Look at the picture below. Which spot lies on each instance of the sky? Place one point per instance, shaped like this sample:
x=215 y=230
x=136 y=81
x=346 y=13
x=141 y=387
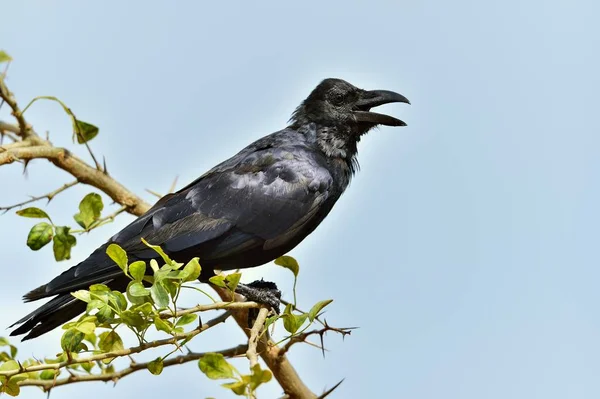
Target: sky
x=466 y=248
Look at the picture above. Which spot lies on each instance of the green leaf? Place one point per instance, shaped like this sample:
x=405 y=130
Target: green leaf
x=39 y=235
x=33 y=212
x=289 y=263
x=9 y=365
x=87 y=327
x=110 y=341
x=71 y=339
x=159 y=251
x=186 y=319
x=82 y=295
x=4 y=57
x=162 y=325
x=118 y=255
x=259 y=376
x=215 y=366
x=90 y=209
x=132 y=319
x=118 y=300
x=63 y=242
x=48 y=374
x=154 y=265
x=238 y=387
x=314 y=311
x=11 y=388
x=191 y=271
x=160 y=296
x=219 y=281
x=105 y=314
x=292 y=322
x=136 y=288
x=137 y=270
x=84 y=131
x=99 y=288
x=156 y=366
x=233 y=280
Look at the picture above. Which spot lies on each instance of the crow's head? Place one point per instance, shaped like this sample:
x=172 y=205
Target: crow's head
x=337 y=103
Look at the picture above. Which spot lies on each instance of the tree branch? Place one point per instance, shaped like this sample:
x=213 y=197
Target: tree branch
x=49 y=196
x=115 y=376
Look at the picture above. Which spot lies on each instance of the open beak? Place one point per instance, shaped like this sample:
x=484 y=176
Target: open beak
x=375 y=98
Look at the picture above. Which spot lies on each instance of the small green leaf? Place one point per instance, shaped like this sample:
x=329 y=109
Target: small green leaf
x=110 y=341
x=162 y=325
x=160 y=296
x=9 y=365
x=39 y=235
x=136 y=288
x=259 y=376
x=90 y=209
x=219 y=281
x=63 y=242
x=156 y=366
x=86 y=327
x=48 y=374
x=186 y=319
x=82 y=295
x=137 y=270
x=4 y=57
x=118 y=300
x=105 y=314
x=132 y=319
x=11 y=388
x=118 y=255
x=238 y=387
x=215 y=366
x=71 y=339
x=191 y=271
x=314 y=311
x=292 y=322
x=99 y=288
x=33 y=212
x=84 y=131
x=233 y=280
x=289 y=263
x=159 y=251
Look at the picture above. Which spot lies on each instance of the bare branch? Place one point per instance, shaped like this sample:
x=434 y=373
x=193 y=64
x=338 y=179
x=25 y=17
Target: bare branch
x=254 y=335
x=321 y=332
x=48 y=196
x=24 y=128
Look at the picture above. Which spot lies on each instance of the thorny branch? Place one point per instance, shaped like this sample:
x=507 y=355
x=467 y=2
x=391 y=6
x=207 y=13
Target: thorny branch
x=48 y=196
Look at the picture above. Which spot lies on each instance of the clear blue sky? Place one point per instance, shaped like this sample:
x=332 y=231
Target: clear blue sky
x=466 y=249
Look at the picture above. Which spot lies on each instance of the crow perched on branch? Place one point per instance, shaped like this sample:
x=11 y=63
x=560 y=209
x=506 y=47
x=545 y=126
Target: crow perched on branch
x=244 y=212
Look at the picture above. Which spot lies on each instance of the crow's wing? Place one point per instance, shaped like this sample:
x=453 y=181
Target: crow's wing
x=258 y=198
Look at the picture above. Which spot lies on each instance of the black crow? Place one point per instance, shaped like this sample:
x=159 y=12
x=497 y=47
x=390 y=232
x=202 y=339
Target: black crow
x=244 y=212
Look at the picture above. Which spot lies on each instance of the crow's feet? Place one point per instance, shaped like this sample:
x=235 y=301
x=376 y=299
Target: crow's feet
x=261 y=291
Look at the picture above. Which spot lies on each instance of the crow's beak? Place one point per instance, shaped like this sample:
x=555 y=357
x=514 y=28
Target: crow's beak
x=375 y=98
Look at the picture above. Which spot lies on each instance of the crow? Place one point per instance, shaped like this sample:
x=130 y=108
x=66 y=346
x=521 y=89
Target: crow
x=244 y=212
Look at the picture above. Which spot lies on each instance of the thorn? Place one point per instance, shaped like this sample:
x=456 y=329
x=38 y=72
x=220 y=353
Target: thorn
x=104 y=165
x=326 y=393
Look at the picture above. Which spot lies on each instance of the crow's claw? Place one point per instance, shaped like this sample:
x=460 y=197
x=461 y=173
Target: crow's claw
x=261 y=291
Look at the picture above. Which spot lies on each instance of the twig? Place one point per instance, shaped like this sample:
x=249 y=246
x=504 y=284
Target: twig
x=212 y=306
x=321 y=332
x=24 y=128
x=251 y=354
x=48 y=196
x=115 y=376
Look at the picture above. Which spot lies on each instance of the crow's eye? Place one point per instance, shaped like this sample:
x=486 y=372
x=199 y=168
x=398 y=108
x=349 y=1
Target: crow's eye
x=338 y=98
